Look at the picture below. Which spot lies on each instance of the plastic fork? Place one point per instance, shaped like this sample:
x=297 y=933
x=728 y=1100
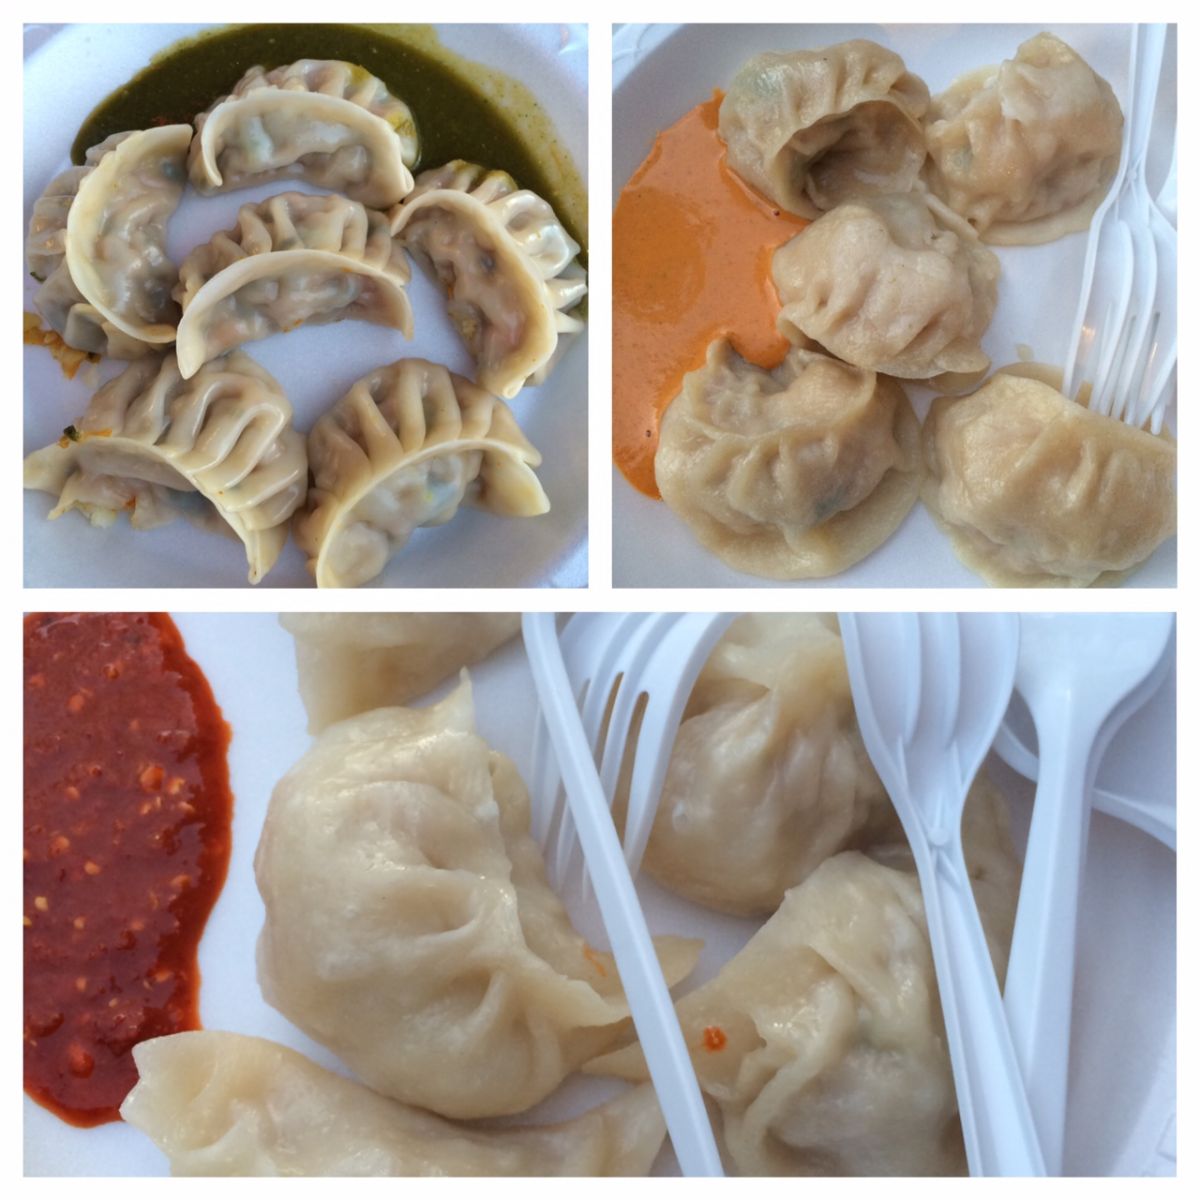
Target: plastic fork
x=1078 y=674
x=930 y=690
x=1125 y=332
x=569 y=757
x=1147 y=341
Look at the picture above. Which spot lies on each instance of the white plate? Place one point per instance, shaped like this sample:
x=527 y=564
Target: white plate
x=315 y=365
x=1122 y=1100
x=662 y=71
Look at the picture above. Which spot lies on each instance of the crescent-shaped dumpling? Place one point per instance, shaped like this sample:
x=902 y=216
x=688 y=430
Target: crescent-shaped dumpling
x=150 y=441
x=331 y=123
x=507 y=263
x=97 y=244
x=291 y=260
x=404 y=448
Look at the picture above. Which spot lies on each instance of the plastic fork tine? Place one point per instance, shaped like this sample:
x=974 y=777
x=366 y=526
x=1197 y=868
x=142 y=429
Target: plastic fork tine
x=545 y=782
x=647 y=633
x=664 y=711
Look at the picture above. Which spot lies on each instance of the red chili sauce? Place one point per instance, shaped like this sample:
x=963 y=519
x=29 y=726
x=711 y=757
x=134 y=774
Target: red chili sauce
x=127 y=835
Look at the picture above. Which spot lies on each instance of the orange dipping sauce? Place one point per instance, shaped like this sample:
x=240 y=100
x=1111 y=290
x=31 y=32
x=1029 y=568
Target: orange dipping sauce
x=692 y=249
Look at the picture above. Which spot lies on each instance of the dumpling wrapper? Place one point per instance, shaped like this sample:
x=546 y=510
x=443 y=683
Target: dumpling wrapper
x=821 y=1042
x=1026 y=150
x=349 y=663
x=768 y=775
x=895 y=284
x=509 y=267
x=226 y=1104
x=219 y=447
x=97 y=244
x=409 y=925
x=406 y=447
x=1036 y=490
x=813 y=128
x=795 y=473
x=292 y=259
x=328 y=122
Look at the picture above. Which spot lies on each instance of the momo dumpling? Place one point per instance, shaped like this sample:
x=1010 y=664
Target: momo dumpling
x=226 y=1104
x=289 y=261
x=508 y=265
x=821 y=1042
x=157 y=446
x=896 y=284
x=1026 y=150
x=794 y=473
x=768 y=775
x=349 y=663
x=97 y=244
x=812 y=128
x=331 y=123
x=404 y=448
x=1037 y=490
x=433 y=958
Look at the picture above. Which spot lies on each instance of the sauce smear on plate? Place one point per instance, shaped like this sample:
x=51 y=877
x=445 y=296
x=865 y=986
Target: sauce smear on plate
x=692 y=249
x=127 y=836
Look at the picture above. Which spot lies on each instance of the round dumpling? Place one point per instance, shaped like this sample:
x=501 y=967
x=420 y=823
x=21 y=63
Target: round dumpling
x=812 y=128
x=1026 y=150
x=1036 y=490
x=409 y=925
x=821 y=1042
x=794 y=473
x=768 y=775
x=896 y=284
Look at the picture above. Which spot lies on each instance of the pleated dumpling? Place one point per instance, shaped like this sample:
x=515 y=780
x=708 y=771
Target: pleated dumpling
x=508 y=266
x=821 y=1043
x=157 y=446
x=897 y=284
x=1037 y=490
x=97 y=244
x=226 y=1104
x=768 y=775
x=291 y=260
x=409 y=925
x=348 y=663
x=812 y=128
x=794 y=473
x=404 y=448
x=1026 y=150
x=331 y=123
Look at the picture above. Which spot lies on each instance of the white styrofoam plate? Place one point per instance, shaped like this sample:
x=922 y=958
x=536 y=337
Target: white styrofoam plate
x=315 y=365
x=1122 y=1099
x=662 y=71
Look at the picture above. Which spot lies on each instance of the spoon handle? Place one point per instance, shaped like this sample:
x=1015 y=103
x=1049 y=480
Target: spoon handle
x=997 y=1123
x=1041 y=966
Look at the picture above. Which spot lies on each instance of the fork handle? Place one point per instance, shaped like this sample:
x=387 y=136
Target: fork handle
x=997 y=1123
x=1041 y=968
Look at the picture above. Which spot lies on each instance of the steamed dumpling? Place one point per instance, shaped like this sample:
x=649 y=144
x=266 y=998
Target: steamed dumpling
x=351 y=662
x=406 y=447
x=768 y=775
x=225 y=1104
x=813 y=128
x=157 y=446
x=291 y=260
x=896 y=284
x=97 y=243
x=409 y=925
x=508 y=265
x=1036 y=490
x=794 y=473
x=1026 y=150
x=331 y=123
x=821 y=1042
